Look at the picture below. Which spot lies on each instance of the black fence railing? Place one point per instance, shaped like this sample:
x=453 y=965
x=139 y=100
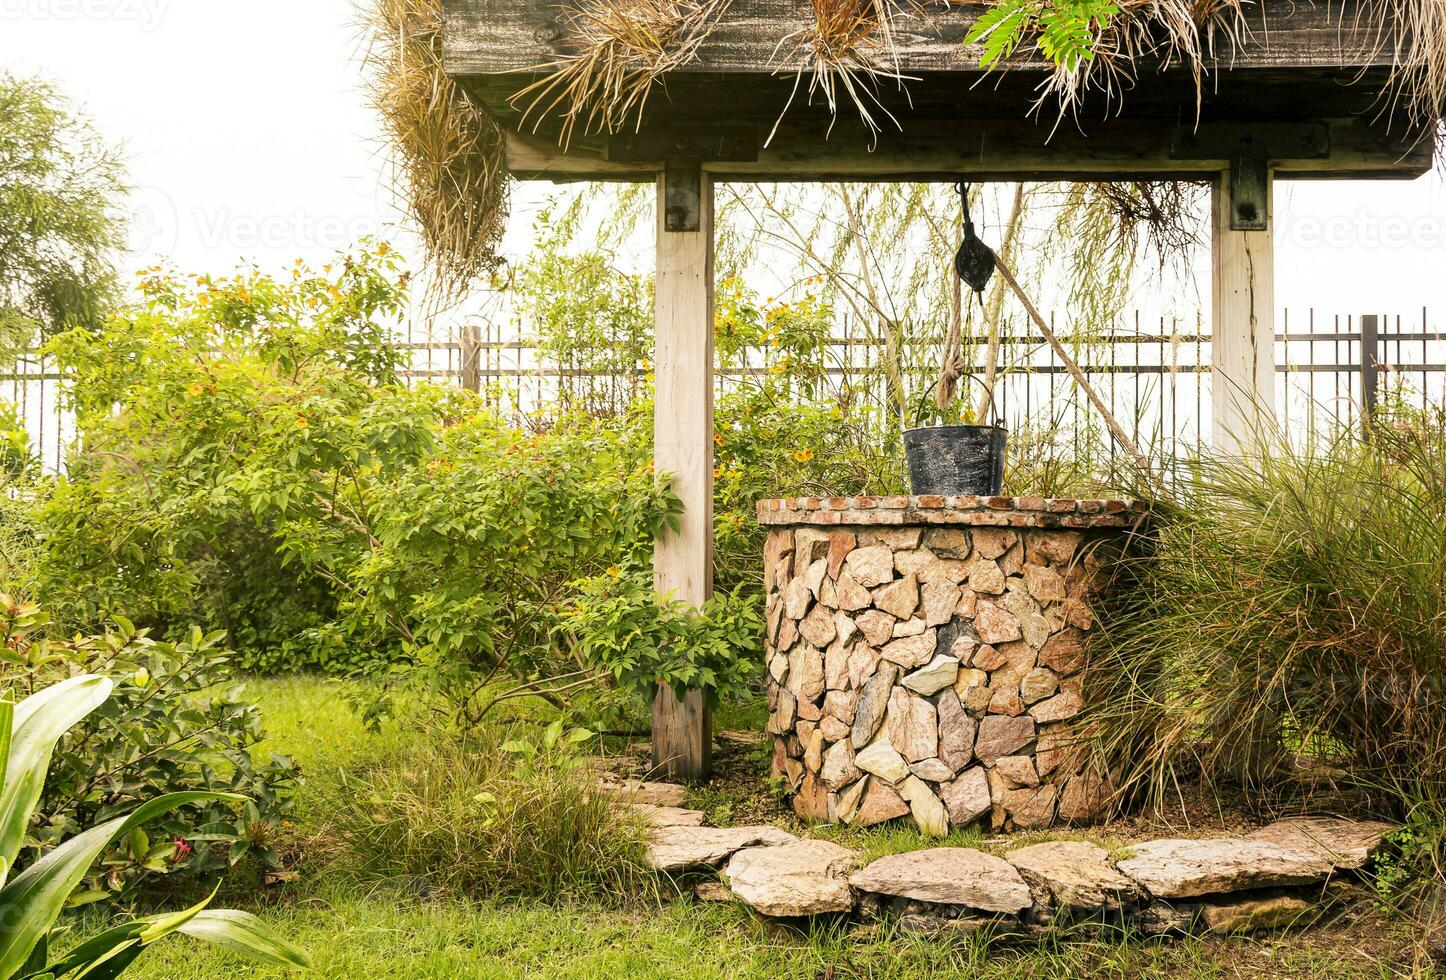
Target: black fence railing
x=1154 y=375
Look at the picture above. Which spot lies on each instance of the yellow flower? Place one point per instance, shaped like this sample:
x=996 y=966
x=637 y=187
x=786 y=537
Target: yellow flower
x=141 y=677
x=803 y=455
x=301 y=423
x=195 y=390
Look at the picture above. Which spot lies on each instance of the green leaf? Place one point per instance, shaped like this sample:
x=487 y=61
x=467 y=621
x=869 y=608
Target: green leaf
x=37 y=895
x=38 y=723
x=245 y=934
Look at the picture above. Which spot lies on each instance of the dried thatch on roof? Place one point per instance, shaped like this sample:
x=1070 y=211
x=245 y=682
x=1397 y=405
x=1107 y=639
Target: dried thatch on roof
x=450 y=154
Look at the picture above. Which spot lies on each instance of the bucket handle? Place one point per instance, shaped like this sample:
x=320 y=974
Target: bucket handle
x=996 y=421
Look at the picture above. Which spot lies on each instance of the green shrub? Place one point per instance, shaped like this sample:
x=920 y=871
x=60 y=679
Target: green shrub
x=470 y=816
x=644 y=641
x=1294 y=605
x=174 y=722
x=35 y=898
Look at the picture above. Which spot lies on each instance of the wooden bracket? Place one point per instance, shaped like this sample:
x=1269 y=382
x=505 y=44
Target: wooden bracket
x=683 y=195
x=1251 y=149
x=683 y=150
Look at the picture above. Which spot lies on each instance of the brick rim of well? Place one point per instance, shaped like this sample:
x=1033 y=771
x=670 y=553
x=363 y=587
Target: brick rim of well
x=1019 y=512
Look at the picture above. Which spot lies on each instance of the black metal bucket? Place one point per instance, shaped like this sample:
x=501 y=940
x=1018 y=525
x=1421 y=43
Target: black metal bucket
x=957 y=460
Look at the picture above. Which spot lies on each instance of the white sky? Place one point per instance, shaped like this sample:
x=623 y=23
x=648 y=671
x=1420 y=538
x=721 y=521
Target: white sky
x=249 y=140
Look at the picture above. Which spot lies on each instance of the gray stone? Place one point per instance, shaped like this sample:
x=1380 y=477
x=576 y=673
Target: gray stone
x=852 y=596
x=995 y=624
x=877 y=627
x=813 y=752
x=933 y=770
x=841 y=705
x=928 y=810
x=900 y=598
x=912 y=651
x=957 y=731
x=967 y=797
x=947 y=876
x=1059 y=708
x=1346 y=844
x=991 y=542
x=933 y=677
x=1063 y=653
x=1057 y=547
x=1031 y=808
x=1018 y=770
x=1255 y=914
x=1038 y=684
x=839 y=768
x=985 y=578
x=668 y=816
x=1077 y=876
x=913 y=726
x=880 y=803
x=871 y=566
x=815 y=575
x=911 y=627
x=1171 y=869
x=873 y=705
x=941 y=601
x=807 y=877
x=796 y=599
x=805 y=673
x=862 y=663
x=948 y=542
x=882 y=760
x=1000 y=735
x=848 y=801
x=645 y=792
x=818 y=627
x=834 y=730
x=687 y=848
x=1044 y=584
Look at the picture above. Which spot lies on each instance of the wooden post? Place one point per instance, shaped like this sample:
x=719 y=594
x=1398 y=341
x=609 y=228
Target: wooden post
x=1242 y=353
x=472 y=357
x=683 y=445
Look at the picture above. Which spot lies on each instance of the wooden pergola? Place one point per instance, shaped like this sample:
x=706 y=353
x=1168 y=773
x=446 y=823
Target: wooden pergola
x=1300 y=99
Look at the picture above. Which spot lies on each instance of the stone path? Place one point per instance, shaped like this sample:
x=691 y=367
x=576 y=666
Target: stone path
x=1270 y=878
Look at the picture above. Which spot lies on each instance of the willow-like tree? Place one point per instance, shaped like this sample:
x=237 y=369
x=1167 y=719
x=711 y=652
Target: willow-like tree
x=61 y=222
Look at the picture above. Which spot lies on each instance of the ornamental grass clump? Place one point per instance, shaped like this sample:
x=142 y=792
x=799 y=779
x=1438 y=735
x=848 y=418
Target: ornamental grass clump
x=1290 y=621
x=489 y=816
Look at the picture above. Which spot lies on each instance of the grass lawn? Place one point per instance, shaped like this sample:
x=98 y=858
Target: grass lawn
x=379 y=930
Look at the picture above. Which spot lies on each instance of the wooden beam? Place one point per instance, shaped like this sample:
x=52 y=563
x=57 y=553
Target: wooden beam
x=683 y=447
x=988 y=150
x=765 y=37
x=1242 y=349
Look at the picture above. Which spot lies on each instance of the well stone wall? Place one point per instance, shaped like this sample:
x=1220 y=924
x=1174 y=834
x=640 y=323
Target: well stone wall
x=926 y=655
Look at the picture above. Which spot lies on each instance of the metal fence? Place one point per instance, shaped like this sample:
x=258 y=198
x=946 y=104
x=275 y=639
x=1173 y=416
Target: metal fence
x=1154 y=374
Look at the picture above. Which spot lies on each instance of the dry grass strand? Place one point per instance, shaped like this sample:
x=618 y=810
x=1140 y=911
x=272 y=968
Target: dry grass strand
x=617 y=50
x=450 y=154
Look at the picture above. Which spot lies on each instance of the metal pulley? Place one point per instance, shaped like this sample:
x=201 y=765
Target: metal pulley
x=975 y=261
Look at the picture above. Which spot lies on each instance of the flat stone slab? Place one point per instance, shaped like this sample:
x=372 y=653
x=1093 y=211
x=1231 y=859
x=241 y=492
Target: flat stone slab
x=1347 y=844
x=642 y=791
x=1191 y=868
x=807 y=877
x=947 y=876
x=1077 y=875
x=687 y=848
x=668 y=816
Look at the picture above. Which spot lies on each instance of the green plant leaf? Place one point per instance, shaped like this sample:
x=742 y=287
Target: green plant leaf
x=38 y=893
x=245 y=934
x=39 y=722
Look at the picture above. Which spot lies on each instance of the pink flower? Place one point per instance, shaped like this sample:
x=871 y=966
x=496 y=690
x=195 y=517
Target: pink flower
x=183 y=850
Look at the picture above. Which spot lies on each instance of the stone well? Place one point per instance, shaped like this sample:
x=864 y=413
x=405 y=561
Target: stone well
x=926 y=655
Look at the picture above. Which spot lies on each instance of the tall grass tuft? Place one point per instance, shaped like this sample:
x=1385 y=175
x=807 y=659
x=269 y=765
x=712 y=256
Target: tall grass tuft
x=1290 y=620
x=468 y=818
